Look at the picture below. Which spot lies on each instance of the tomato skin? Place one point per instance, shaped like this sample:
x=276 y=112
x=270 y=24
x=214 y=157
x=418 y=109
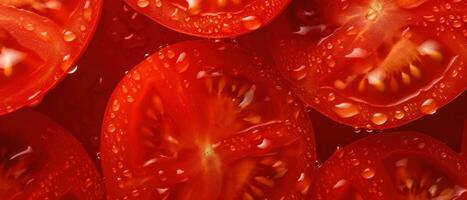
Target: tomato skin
x=308 y=62
x=34 y=32
x=361 y=165
x=254 y=15
x=63 y=168
x=190 y=108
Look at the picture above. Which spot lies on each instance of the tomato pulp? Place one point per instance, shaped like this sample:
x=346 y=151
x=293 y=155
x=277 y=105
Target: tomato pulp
x=39 y=43
x=42 y=160
x=195 y=118
x=376 y=64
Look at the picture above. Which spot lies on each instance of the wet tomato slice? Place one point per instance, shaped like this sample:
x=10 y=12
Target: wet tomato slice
x=378 y=64
x=121 y=41
x=39 y=42
x=205 y=120
x=42 y=160
x=393 y=166
x=211 y=18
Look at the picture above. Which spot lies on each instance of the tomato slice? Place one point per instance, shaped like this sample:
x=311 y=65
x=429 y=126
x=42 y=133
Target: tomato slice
x=399 y=165
x=211 y=18
x=205 y=120
x=122 y=40
x=384 y=64
x=39 y=42
x=42 y=160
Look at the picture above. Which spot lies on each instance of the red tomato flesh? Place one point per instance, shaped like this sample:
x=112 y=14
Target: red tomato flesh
x=377 y=64
x=393 y=166
x=41 y=160
x=205 y=120
x=39 y=42
x=211 y=18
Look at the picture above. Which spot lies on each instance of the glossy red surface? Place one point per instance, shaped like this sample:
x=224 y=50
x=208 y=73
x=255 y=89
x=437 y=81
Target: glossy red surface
x=124 y=38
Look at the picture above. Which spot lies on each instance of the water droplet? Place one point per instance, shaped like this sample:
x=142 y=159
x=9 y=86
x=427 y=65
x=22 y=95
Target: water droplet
x=251 y=22
x=399 y=114
x=45 y=36
x=162 y=190
x=429 y=107
x=158 y=3
x=331 y=96
x=135 y=193
x=454 y=73
x=444 y=155
x=354 y=162
x=73 y=69
x=339 y=184
x=29 y=27
x=116 y=106
x=182 y=64
x=142 y=3
x=456 y=24
x=180 y=171
x=265 y=143
x=299 y=73
x=379 y=118
x=69 y=36
x=136 y=76
x=111 y=128
x=35 y=95
x=129 y=98
x=346 y=110
x=114 y=149
x=357 y=130
x=170 y=54
x=368 y=173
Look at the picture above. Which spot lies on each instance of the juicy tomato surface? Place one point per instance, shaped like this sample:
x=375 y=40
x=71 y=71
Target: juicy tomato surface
x=40 y=160
x=122 y=39
x=39 y=42
x=399 y=165
x=446 y=126
x=211 y=120
x=375 y=64
x=211 y=18
x=205 y=120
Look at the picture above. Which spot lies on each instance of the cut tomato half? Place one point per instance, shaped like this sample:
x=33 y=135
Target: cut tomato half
x=42 y=160
x=39 y=43
x=205 y=120
x=393 y=166
x=209 y=18
x=378 y=64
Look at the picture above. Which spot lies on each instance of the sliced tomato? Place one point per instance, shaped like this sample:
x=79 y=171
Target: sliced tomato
x=205 y=120
x=39 y=42
x=40 y=160
x=122 y=39
x=393 y=166
x=378 y=64
x=211 y=18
